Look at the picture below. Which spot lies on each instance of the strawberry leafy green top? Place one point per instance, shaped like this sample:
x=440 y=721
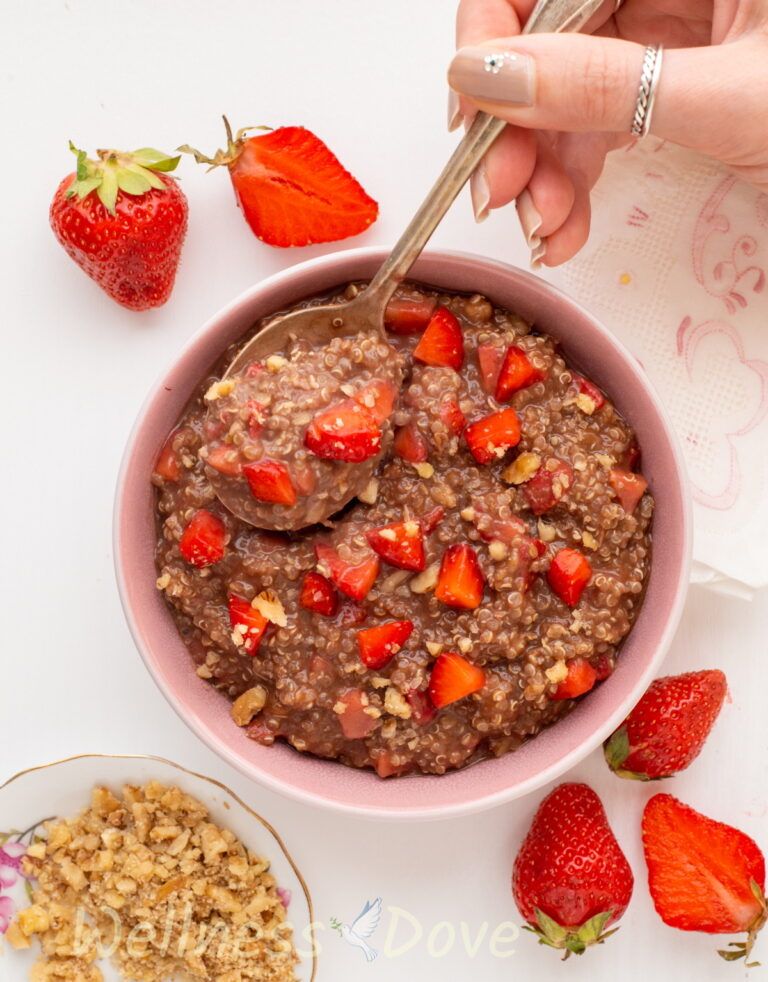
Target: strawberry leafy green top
x=132 y=173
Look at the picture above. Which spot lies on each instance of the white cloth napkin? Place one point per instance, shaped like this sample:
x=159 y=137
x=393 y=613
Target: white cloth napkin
x=677 y=266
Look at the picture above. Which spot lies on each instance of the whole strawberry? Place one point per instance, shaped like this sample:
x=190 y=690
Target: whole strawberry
x=292 y=190
x=666 y=730
x=123 y=222
x=703 y=875
x=571 y=879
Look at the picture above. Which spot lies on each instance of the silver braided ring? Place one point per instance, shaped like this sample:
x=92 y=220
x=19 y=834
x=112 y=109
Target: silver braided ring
x=646 y=93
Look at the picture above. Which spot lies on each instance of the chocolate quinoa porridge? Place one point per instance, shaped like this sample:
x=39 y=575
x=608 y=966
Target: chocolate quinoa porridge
x=484 y=579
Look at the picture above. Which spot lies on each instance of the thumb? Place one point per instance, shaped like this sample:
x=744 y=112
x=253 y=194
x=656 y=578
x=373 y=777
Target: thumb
x=582 y=83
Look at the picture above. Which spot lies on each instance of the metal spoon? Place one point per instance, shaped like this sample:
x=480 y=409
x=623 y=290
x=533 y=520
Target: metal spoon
x=365 y=313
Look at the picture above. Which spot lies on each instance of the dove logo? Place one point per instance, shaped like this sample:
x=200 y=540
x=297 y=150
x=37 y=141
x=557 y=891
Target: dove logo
x=363 y=926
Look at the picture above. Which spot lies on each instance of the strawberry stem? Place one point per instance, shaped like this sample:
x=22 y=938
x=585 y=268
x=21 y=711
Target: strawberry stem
x=113 y=171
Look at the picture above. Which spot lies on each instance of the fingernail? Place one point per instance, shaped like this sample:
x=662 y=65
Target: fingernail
x=493 y=76
x=538 y=253
x=454 y=111
x=480 y=192
x=530 y=219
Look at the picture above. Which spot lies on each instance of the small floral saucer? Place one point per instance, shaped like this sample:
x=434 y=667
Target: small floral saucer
x=62 y=789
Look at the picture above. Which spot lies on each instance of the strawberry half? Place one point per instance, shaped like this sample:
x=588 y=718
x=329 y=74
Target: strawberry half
x=292 y=190
x=442 y=343
x=247 y=622
x=352 y=579
x=202 y=541
x=547 y=487
x=489 y=438
x=410 y=444
x=517 y=372
x=409 y=315
x=123 y=221
x=270 y=480
x=703 y=875
x=570 y=879
x=379 y=645
x=666 y=730
x=318 y=595
x=460 y=582
x=629 y=488
x=400 y=544
x=580 y=679
x=568 y=574
x=346 y=432
x=453 y=678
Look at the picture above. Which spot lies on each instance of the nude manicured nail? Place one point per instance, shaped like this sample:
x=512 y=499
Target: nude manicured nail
x=530 y=219
x=493 y=76
x=454 y=111
x=480 y=192
x=538 y=253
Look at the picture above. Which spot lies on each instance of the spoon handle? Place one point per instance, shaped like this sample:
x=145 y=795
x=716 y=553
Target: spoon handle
x=548 y=16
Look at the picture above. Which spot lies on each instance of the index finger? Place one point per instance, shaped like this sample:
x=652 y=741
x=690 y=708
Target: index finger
x=481 y=20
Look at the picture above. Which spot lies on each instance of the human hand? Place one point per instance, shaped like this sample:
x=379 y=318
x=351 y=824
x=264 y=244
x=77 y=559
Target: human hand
x=571 y=98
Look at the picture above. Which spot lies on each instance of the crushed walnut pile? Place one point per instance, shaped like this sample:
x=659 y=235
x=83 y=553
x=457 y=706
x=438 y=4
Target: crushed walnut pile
x=148 y=880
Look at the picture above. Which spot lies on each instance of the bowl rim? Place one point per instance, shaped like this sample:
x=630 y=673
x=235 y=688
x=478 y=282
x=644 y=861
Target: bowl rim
x=491 y=799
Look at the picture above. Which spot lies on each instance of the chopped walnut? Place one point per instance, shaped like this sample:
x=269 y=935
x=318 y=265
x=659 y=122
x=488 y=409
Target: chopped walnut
x=558 y=672
x=585 y=403
x=370 y=492
x=275 y=362
x=426 y=581
x=395 y=704
x=424 y=469
x=246 y=706
x=269 y=606
x=219 y=390
x=547 y=533
x=522 y=468
x=589 y=540
x=434 y=648
x=498 y=550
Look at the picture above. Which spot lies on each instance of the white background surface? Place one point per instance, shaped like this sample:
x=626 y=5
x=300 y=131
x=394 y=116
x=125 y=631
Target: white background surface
x=368 y=78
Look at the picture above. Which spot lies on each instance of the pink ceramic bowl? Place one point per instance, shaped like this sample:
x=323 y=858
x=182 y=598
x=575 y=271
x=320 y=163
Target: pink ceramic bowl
x=327 y=783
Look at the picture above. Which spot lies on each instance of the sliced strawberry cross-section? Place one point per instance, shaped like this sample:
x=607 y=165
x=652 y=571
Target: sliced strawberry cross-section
x=460 y=582
x=517 y=372
x=629 y=488
x=489 y=438
x=270 y=480
x=379 y=645
x=318 y=594
x=409 y=315
x=568 y=575
x=453 y=678
x=355 y=723
x=489 y=359
x=410 y=444
x=580 y=679
x=225 y=458
x=442 y=343
x=346 y=432
x=377 y=398
x=352 y=579
x=548 y=486
x=400 y=544
x=202 y=541
x=247 y=623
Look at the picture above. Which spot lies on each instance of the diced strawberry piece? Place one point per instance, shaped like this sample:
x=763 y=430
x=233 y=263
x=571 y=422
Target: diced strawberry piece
x=400 y=544
x=356 y=724
x=270 y=480
x=379 y=645
x=581 y=678
x=460 y=582
x=352 y=614
x=453 y=417
x=547 y=487
x=630 y=459
x=409 y=315
x=304 y=479
x=629 y=488
x=489 y=438
x=590 y=390
x=498 y=529
x=247 y=622
x=489 y=359
x=603 y=666
x=422 y=710
x=255 y=368
x=453 y=678
x=255 y=410
x=385 y=766
x=321 y=668
x=225 y=459
x=167 y=464
x=432 y=519
x=568 y=575
x=318 y=595
x=346 y=432
x=202 y=542
x=442 y=343
x=377 y=398
x=517 y=372
x=353 y=579
x=410 y=444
